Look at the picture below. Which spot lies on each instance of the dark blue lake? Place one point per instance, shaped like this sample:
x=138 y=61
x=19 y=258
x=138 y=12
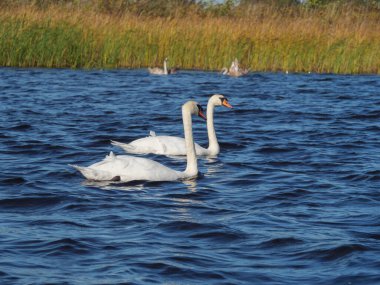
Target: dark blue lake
x=293 y=197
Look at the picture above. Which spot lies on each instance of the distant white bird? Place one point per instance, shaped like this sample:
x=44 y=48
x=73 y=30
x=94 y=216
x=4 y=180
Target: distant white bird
x=159 y=71
x=127 y=168
x=234 y=70
x=170 y=145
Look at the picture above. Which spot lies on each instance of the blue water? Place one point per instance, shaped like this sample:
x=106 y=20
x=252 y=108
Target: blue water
x=293 y=197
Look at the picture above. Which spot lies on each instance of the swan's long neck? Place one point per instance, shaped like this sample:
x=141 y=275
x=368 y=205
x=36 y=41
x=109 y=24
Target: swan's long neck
x=213 y=145
x=165 y=67
x=192 y=167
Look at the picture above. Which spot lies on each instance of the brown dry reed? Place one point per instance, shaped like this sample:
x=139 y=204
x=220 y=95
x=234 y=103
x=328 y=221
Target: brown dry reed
x=332 y=39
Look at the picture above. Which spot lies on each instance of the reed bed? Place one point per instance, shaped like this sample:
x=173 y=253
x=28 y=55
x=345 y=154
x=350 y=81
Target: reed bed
x=262 y=38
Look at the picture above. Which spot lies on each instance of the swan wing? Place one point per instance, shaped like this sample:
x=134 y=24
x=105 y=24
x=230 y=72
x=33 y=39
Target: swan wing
x=177 y=146
x=162 y=145
x=139 y=168
x=127 y=168
x=142 y=146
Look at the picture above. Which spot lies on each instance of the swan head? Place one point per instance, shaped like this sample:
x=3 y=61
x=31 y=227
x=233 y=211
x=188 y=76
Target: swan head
x=194 y=108
x=224 y=70
x=220 y=100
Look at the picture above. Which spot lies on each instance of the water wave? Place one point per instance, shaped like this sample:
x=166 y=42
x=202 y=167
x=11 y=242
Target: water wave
x=292 y=198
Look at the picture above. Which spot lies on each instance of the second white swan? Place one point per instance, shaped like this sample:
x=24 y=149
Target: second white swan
x=234 y=70
x=170 y=145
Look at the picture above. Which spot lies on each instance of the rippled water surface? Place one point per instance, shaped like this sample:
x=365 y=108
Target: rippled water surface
x=293 y=197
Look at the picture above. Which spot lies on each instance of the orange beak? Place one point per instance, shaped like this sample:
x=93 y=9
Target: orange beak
x=226 y=104
x=200 y=114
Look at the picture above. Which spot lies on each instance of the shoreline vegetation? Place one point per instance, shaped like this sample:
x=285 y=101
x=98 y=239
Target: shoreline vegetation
x=264 y=35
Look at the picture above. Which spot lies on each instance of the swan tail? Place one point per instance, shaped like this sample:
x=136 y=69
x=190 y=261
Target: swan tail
x=95 y=175
x=86 y=172
x=124 y=146
x=152 y=134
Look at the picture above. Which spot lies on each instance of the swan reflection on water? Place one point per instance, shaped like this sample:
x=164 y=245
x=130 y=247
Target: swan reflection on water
x=112 y=185
x=190 y=184
x=213 y=165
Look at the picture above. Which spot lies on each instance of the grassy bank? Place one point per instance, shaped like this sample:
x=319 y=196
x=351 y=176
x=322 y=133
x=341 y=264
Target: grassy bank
x=263 y=38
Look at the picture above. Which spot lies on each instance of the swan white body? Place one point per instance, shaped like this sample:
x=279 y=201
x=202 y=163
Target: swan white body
x=128 y=168
x=159 y=71
x=170 y=145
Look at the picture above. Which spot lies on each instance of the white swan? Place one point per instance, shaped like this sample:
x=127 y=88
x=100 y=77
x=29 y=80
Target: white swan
x=170 y=145
x=127 y=168
x=234 y=70
x=159 y=71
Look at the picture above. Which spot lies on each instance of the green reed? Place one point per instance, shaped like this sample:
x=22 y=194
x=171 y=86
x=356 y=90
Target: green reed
x=79 y=38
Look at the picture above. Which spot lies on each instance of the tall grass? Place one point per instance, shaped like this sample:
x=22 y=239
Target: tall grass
x=262 y=37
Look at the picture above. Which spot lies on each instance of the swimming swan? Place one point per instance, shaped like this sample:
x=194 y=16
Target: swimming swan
x=234 y=70
x=127 y=168
x=159 y=71
x=170 y=145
